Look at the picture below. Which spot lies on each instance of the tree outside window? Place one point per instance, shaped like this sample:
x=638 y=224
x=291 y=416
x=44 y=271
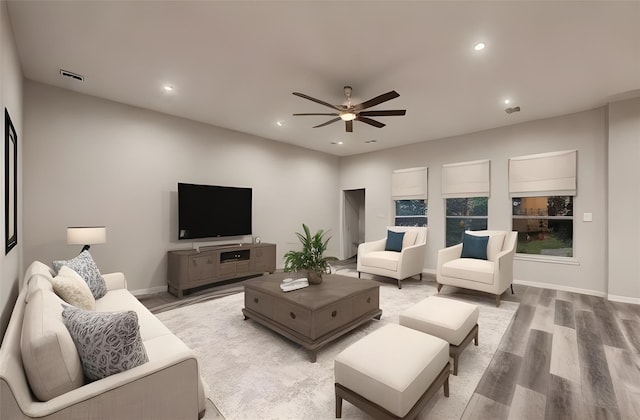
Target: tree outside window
x=411 y=212
x=462 y=214
x=544 y=225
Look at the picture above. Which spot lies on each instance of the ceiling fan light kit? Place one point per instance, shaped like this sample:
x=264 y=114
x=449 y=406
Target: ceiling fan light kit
x=349 y=113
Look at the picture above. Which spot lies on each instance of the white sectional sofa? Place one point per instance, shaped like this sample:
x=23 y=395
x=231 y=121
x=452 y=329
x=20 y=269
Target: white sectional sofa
x=168 y=386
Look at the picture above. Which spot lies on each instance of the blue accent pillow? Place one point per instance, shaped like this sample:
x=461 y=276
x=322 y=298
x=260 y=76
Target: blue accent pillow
x=394 y=241
x=474 y=247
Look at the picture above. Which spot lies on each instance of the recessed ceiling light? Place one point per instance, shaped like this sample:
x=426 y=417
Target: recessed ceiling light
x=337 y=142
x=370 y=141
x=507 y=101
x=279 y=123
x=479 y=46
x=167 y=88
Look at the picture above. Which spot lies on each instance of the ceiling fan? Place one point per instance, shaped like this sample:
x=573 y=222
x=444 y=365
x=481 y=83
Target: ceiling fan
x=348 y=113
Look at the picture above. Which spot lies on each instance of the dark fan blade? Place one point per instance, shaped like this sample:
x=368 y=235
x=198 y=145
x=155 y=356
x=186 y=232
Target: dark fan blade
x=370 y=121
x=377 y=100
x=384 y=113
x=335 y=114
x=348 y=125
x=318 y=101
x=327 y=123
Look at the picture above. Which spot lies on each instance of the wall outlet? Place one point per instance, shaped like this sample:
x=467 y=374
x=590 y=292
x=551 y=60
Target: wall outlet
x=587 y=217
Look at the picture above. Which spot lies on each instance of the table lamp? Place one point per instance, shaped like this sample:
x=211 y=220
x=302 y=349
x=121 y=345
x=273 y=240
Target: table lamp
x=86 y=236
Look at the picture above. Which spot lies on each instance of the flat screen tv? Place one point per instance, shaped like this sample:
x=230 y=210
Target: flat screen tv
x=212 y=211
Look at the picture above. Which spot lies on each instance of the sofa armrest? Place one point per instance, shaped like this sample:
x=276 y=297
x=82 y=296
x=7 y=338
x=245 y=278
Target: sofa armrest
x=412 y=260
x=504 y=268
x=448 y=254
x=115 y=281
x=183 y=364
x=366 y=247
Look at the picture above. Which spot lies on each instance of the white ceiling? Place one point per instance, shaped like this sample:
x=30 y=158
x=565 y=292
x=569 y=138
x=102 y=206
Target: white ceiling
x=234 y=64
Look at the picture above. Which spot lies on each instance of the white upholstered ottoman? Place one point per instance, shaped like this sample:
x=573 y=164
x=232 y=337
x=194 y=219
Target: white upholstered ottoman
x=392 y=372
x=452 y=320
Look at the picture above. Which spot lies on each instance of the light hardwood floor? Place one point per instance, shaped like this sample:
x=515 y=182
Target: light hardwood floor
x=564 y=356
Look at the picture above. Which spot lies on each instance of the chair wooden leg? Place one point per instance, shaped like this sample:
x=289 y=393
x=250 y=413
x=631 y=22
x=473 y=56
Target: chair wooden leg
x=512 y=289
x=420 y=276
x=358 y=274
x=439 y=287
x=497 y=301
x=399 y=284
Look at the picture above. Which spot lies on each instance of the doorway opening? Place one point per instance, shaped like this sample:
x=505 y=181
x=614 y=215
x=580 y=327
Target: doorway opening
x=353 y=227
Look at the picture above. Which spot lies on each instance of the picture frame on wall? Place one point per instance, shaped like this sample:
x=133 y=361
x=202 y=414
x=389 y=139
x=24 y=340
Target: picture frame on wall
x=10 y=183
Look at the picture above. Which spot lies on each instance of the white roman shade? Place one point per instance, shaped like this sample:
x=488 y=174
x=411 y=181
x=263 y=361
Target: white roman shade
x=409 y=183
x=543 y=174
x=466 y=179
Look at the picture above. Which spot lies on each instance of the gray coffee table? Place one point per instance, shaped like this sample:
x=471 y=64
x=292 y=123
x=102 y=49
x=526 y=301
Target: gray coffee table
x=315 y=315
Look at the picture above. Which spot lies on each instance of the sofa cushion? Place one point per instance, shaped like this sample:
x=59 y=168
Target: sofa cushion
x=387 y=260
x=394 y=241
x=49 y=355
x=84 y=265
x=471 y=269
x=73 y=289
x=107 y=342
x=474 y=246
x=409 y=238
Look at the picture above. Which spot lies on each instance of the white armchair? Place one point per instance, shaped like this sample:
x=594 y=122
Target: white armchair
x=373 y=259
x=493 y=275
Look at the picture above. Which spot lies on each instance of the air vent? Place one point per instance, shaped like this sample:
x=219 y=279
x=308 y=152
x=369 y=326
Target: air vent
x=71 y=75
x=511 y=110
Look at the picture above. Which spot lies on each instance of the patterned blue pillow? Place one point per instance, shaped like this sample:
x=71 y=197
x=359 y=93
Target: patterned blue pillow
x=107 y=342
x=394 y=241
x=84 y=265
x=474 y=246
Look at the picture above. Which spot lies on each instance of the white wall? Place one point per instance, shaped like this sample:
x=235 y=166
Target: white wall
x=624 y=200
x=11 y=99
x=585 y=131
x=95 y=162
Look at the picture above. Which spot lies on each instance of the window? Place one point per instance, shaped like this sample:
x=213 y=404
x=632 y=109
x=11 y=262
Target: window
x=544 y=225
x=463 y=214
x=411 y=212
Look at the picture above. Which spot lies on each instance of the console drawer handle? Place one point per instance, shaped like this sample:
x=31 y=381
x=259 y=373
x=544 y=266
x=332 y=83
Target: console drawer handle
x=369 y=299
x=256 y=300
x=333 y=314
x=292 y=315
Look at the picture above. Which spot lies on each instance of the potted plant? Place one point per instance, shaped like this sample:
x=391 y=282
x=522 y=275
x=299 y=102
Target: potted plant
x=311 y=259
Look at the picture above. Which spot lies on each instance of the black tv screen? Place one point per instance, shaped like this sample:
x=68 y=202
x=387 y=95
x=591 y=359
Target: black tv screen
x=211 y=211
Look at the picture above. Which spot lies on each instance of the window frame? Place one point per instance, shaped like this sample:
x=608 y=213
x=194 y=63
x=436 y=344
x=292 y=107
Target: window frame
x=447 y=217
x=395 y=211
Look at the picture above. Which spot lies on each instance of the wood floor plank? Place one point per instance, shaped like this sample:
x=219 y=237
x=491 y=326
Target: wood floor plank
x=547 y=298
x=531 y=296
x=597 y=387
x=516 y=340
x=564 y=314
x=534 y=371
x=608 y=326
x=564 y=349
x=564 y=400
x=544 y=318
x=481 y=407
x=499 y=381
x=625 y=375
x=526 y=404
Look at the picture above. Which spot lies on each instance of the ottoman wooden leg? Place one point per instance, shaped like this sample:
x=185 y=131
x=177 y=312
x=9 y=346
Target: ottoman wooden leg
x=446 y=387
x=338 y=404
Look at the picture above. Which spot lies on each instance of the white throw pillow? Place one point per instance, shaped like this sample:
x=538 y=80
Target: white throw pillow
x=409 y=238
x=84 y=265
x=73 y=289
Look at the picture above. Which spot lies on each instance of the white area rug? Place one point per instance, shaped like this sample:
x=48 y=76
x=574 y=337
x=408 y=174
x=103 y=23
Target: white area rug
x=254 y=373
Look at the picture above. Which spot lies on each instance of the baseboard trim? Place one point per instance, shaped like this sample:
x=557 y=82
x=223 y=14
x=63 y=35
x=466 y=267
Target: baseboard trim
x=624 y=299
x=560 y=287
x=150 y=291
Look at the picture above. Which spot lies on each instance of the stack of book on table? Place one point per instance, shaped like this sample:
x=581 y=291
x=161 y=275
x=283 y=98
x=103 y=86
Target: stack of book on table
x=290 y=284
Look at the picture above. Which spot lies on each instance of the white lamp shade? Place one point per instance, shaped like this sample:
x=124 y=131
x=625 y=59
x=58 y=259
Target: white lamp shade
x=86 y=235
